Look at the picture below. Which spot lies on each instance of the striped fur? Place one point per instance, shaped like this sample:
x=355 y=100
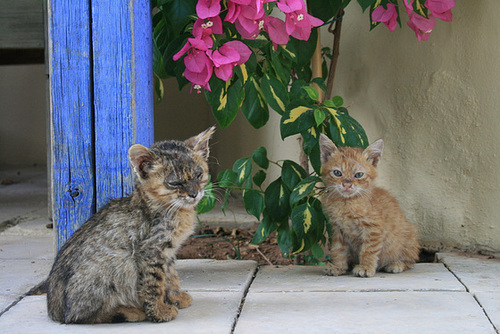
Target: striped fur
x=370 y=232
x=119 y=265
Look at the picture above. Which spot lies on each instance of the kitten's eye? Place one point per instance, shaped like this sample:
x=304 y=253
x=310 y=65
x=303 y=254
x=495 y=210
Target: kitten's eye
x=359 y=175
x=174 y=184
x=337 y=173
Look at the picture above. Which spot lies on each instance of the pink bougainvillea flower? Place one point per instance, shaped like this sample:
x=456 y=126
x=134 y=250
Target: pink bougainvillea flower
x=388 y=16
x=421 y=26
x=276 y=30
x=298 y=21
x=247 y=16
x=409 y=6
x=208 y=8
x=204 y=28
x=227 y=56
x=441 y=9
x=199 y=66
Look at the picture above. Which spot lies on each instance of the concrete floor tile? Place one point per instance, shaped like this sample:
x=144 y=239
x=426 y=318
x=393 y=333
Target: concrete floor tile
x=20 y=276
x=424 y=277
x=213 y=275
x=20 y=247
x=477 y=273
x=362 y=312
x=211 y=312
x=7 y=300
x=490 y=301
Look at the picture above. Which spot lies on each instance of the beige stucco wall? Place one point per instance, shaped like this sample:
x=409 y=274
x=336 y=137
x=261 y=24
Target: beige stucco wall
x=436 y=105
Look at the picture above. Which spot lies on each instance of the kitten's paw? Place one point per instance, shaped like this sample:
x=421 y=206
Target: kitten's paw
x=396 y=267
x=162 y=313
x=363 y=271
x=334 y=270
x=180 y=299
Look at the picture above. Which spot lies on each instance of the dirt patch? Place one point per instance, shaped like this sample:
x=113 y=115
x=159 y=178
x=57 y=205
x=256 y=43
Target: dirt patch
x=223 y=244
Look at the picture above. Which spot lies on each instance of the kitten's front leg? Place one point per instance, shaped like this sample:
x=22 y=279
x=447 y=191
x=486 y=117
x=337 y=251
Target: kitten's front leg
x=339 y=250
x=175 y=295
x=153 y=293
x=368 y=256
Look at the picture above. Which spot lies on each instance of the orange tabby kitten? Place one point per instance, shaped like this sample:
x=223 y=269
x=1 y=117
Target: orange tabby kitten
x=369 y=228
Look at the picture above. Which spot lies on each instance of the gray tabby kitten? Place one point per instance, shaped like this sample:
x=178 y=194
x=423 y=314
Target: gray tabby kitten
x=119 y=265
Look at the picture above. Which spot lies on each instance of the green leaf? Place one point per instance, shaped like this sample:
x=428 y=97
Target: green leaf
x=259 y=178
x=243 y=168
x=254 y=202
x=275 y=93
x=311 y=146
x=227 y=193
x=281 y=66
x=171 y=67
x=324 y=9
x=254 y=106
x=308 y=223
x=311 y=92
x=266 y=227
x=320 y=82
x=303 y=50
x=296 y=120
x=259 y=156
x=158 y=84
x=337 y=101
x=178 y=12
x=277 y=200
x=345 y=130
x=207 y=203
x=303 y=189
x=225 y=99
x=319 y=116
x=292 y=173
x=227 y=178
x=365 y=3
x=317 y=251
x=420 y=9
x=284 y=239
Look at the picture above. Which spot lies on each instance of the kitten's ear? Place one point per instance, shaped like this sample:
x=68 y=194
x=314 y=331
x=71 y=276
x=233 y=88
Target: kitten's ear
x=141 y=159
x=327 y=148
x=374 y=151
x=200 y=141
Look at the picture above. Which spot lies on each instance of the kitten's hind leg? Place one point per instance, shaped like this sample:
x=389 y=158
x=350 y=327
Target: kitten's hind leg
x=126 y=314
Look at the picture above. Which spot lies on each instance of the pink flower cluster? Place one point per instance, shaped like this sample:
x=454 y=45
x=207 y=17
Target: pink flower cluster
x=249 y=18
x=440 y=9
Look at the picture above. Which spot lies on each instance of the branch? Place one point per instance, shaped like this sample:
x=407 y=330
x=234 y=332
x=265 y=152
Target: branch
x=335 y=51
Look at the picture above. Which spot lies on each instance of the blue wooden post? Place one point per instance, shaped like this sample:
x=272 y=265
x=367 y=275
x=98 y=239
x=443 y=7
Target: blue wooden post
x=101 y=102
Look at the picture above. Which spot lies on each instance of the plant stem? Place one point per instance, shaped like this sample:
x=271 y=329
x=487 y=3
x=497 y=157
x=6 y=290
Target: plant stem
x=335 y=52
x=316 y=67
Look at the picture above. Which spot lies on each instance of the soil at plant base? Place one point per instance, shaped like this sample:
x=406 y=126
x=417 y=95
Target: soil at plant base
x=223 y=244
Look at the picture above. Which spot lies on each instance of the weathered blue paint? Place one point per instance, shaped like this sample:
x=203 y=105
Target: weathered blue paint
x=71 y=115
x=123 y=94
x=100 y=68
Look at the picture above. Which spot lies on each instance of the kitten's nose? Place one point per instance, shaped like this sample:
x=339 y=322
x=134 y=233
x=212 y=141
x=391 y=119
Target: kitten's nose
x=347 y=184
x=192 y=193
